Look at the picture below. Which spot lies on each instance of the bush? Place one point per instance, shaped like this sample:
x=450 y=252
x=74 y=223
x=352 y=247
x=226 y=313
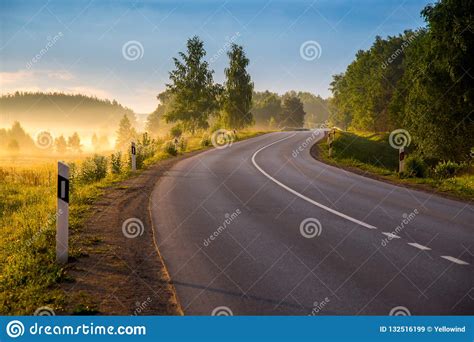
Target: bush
x=116 y=162
x=170 y=148
x=182 y=144
x=176 y=131
x=93 y=169
x=447 y=169
x=206 y=140
x=415 y=166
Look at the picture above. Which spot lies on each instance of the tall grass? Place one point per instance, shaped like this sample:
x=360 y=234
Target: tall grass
x=29 y=275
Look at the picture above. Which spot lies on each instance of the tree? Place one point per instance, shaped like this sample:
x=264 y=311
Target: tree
x=74 y=143
x=194 y=93
x=60 y=145
x=13 y=147
x=292 y=112
x=266 y=105
x=95 y=142
x=238 y=89
x=125 y=134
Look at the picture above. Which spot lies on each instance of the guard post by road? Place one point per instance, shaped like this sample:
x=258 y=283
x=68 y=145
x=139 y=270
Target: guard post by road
x=401 y=159
x=62 y=214
x=134 y=157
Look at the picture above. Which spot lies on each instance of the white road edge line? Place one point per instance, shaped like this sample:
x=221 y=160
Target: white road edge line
x=417 y=245
x=455 y=260
x=296 y=193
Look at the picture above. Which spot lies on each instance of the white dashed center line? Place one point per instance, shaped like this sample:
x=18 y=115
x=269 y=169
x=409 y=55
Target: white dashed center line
x=417 y=245
x=390 y=235
x=455 y=260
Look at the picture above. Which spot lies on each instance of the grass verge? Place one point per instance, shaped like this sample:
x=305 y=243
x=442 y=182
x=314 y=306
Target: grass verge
x=30 y=277
x=372 y=154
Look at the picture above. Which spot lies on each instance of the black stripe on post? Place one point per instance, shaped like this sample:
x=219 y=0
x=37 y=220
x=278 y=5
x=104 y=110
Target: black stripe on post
x=63 y=188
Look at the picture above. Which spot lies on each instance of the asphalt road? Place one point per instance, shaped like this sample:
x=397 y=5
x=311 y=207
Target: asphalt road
x=294 y=236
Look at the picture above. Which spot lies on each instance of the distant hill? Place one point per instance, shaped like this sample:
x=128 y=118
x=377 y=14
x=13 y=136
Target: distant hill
x=61 y=110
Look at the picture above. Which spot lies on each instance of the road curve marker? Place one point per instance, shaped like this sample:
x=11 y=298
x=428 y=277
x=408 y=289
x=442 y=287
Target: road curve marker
x=296 y=193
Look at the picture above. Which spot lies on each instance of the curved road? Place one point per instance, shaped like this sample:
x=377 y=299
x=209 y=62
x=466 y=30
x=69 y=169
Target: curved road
x=261 y=228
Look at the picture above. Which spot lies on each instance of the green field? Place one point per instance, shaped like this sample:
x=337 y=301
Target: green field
x=30 y=277
x=372 y=152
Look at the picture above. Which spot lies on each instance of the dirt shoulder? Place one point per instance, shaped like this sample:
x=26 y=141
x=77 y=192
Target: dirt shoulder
x=116 y=274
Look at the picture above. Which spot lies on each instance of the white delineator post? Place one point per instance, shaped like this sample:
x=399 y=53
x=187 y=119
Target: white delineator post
x=62 y=214
x=330 y=140
x=134 y=157
x=401 y=159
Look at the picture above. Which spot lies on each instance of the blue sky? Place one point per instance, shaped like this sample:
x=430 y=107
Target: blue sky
x=80 y=43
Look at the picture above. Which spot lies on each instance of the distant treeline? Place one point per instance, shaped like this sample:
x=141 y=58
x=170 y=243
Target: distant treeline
x=269 y=110
x=16 y=140
x=421 y=81
x=58 y=109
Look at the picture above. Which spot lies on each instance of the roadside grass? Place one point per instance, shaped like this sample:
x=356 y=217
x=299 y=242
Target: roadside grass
x=372 y=153
x=30 y=277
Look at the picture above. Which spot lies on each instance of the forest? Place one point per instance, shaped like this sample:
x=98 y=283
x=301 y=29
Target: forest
x=420 y=81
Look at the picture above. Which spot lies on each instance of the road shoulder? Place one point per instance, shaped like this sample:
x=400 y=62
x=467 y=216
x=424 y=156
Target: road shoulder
x=116 y=274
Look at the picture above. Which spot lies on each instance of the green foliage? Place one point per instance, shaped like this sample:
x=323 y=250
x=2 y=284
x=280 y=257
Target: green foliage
x=22 y=140
x=116 y=162
x=293 y=113
x=182 y=144
x=238 y=88
x=192 y=88
x=170 y=148
x=417 y=81
x=93 y=169
x=447 y=169
x=74 y=143
x=176 y=131
x=125 y=134
x=415 y=166
x=60 y=145
x=371 y=149
x=205 y=140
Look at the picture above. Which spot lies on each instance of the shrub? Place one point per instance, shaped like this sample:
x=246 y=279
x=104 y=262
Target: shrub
x=447 y=169
x=206 y=140
x=415 y=166
x=116 y=162
x=182 y=144
x=93 y=169
x=170 y=148
x=176 y=131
